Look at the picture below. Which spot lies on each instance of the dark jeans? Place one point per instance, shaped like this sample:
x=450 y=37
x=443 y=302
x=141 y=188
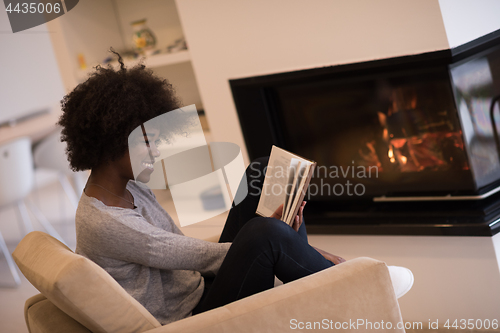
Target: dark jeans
x=262 y=247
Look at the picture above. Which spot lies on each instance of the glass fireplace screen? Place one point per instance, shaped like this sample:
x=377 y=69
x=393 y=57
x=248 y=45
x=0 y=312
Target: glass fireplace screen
x=396 y=134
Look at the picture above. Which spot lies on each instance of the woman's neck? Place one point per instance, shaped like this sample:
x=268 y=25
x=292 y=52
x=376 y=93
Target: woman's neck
x=108 y=186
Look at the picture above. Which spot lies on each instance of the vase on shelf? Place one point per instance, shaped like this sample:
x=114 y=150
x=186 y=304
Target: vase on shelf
x=143 y=37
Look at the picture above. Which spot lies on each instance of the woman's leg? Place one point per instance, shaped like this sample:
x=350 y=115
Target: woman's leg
x=240 y=214
x=263 y=248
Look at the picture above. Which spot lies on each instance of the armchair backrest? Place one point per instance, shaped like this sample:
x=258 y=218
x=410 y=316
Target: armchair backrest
x=79 y=287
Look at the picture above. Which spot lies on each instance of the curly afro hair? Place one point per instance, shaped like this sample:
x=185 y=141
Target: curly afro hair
x=99 y=114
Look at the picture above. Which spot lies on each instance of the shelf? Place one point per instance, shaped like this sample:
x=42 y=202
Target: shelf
x=154 y=61
x=163 y=59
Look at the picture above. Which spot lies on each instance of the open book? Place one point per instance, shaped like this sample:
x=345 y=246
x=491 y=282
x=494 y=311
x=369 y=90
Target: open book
x=286 y=182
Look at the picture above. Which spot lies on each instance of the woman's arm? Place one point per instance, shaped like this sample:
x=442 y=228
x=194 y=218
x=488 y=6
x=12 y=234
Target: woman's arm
x=331 y=257
x=130 y=238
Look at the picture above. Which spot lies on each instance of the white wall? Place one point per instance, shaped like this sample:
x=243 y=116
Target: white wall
x=233 y=39
x=466 y=20
x=29 y=76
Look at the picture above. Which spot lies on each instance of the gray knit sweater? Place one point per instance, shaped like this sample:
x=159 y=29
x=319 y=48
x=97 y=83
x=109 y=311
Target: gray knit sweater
x=147 y=254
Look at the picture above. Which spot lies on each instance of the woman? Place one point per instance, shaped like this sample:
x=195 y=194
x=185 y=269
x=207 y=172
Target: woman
x=122 y=228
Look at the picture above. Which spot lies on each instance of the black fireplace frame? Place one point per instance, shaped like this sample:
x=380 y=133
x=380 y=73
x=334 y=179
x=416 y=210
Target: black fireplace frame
x=254 y=100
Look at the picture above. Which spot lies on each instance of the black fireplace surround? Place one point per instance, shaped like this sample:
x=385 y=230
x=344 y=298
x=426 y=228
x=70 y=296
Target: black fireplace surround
x=404 y=146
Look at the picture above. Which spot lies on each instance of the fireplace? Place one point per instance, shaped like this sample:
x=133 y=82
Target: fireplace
x=406 y=145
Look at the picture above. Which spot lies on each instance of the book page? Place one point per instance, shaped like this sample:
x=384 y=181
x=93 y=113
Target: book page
x=303 y=174
x=275 y=182
x=292 y=186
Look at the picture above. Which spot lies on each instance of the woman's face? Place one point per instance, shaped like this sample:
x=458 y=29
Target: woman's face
x=143 y=151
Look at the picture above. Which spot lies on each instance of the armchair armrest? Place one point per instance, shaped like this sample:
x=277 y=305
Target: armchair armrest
x=358 y=295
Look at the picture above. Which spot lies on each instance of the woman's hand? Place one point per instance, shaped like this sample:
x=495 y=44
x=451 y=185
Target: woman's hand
x=297 y=221
x=278 y=213
x=331 y=257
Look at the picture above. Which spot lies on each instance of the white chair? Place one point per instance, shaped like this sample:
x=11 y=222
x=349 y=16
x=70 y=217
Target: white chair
x=51 y=154
x=16 y=182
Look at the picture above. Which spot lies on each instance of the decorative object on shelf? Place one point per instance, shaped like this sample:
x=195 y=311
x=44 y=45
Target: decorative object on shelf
x=82 y=64
x=143 y=37
x=178 y=45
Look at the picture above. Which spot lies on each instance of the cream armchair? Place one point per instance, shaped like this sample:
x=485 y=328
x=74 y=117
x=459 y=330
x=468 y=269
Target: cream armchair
x=79 y=296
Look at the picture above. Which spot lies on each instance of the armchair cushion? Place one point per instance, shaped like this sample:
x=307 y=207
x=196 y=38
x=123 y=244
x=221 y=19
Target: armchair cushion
x=44 y=317
x=79 y=287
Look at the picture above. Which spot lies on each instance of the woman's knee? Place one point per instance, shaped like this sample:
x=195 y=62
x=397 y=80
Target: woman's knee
x=268 y=228
x=260 y=161
x=255 y=175
x=257 y=167
x=252 y=180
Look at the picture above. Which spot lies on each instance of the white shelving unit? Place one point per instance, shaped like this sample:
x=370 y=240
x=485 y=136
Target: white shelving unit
x=94 y=26
x=165 y=59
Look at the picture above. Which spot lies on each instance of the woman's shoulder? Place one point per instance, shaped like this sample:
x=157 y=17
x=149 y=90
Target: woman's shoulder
x=92 y=210
x=92 y=213
x=149 y=207
x=97 y=224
